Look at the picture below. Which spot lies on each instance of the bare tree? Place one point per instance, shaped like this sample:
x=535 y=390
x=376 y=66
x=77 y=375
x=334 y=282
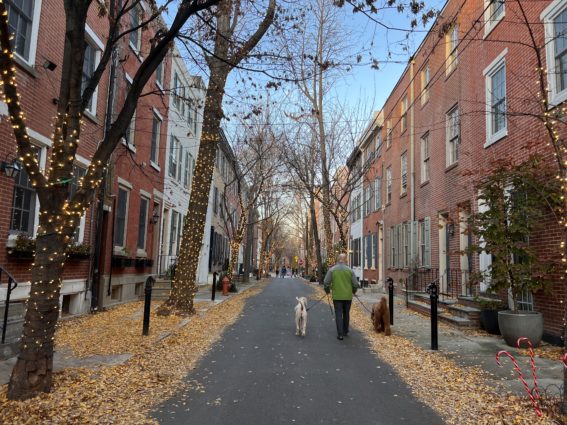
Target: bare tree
x=230 y=48
x=60 y=212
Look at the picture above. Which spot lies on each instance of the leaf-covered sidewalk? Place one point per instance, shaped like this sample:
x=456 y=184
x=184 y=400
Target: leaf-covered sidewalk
x=458 y=393
x=124 y=393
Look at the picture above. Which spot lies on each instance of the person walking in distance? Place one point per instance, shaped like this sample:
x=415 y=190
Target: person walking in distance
x=341 y=281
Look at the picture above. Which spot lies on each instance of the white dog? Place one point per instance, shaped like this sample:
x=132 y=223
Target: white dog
x=300 y=316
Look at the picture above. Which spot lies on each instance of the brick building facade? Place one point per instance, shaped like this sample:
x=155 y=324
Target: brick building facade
x=467 y=96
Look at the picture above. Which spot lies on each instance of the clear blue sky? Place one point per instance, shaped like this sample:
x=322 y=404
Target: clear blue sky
x=365 y=89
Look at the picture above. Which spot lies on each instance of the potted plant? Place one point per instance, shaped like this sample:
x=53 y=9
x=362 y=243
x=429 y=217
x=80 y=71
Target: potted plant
x=513 y=202
x=489 y=308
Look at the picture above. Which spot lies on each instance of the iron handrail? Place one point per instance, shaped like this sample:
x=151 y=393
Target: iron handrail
x=11 y=280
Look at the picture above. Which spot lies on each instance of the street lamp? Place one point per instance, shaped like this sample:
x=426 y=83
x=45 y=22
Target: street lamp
x=11 y=169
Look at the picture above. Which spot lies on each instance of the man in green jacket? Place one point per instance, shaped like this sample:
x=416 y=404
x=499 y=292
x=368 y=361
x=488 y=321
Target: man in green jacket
x=341 y=280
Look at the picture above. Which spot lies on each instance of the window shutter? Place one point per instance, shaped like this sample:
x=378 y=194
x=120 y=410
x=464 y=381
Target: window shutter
x=375 y=249
x=427 y=237
x=368 y=251
x=399 y=246
x=414 y=245
x=388 y=248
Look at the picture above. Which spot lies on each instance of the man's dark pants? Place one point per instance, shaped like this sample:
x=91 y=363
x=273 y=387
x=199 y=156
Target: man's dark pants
x=342 y=316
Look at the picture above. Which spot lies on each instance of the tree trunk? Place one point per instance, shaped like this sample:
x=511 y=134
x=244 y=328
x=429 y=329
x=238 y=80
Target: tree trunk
x=184 y=285
x=316 y=240
x=307 y=250
x=32 y=373
x=249 y=245
x=235 y=245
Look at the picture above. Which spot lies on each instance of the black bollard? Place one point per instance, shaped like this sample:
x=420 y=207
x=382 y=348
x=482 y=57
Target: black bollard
x=433 y=295
x=147 y=302
x=214 y=286
x=391 y=298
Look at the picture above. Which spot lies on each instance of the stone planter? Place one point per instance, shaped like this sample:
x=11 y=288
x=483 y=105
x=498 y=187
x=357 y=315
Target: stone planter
x=489 y=321
x=523 y=324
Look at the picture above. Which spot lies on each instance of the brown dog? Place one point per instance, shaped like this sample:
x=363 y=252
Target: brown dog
x=381 y=317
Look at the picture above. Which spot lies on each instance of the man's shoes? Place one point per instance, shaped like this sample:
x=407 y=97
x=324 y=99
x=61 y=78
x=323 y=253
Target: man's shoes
x=346 y=333
x=340 y=337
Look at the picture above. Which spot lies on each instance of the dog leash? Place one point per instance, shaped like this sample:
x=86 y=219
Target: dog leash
x=330 y=307
x=366 y=308
x=316 y=302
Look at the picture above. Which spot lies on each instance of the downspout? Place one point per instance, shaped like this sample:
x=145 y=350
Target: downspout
x=413 y=234
x=98 y=258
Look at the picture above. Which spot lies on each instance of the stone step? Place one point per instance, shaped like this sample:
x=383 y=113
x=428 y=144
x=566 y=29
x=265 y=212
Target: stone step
x=442 y=314
x=465 y=312
x=16 y=309
x=424 y=297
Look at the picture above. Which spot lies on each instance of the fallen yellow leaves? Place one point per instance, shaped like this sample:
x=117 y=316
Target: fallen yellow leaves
x=124 y=394
x=459 y=394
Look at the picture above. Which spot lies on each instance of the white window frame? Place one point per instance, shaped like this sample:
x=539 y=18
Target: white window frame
x=548 y=16
x=388 y=133
x=425 y=158
x=377 y=193
x=452 y=154
x=127 y=187
x=34 y=33
x=158 y=116
x=403 y=173
x=404 y=106
x=140 y=9
x=489 y=21
x=142 y=252
x=389 y=185
x=159 y=81
x=96 y=43
x=489 y=72
x=425 y=80
x=130 y=143
x=452 y=54
x=84 y=164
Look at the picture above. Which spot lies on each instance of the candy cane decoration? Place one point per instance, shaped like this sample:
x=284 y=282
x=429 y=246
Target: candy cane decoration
x=534 y=401
x=564 y=359
x=531 y=350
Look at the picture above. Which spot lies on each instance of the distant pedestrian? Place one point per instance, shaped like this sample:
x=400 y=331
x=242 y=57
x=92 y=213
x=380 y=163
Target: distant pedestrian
x=284 y=271
x=277 y=272
x=341 y=281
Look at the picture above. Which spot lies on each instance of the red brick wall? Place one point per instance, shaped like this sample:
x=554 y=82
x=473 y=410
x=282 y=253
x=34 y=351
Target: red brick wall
x=451 y=188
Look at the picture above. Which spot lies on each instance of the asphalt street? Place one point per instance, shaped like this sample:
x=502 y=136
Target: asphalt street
x=261 y=373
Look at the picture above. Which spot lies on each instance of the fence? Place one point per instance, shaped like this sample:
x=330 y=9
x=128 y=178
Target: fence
x=453 y=283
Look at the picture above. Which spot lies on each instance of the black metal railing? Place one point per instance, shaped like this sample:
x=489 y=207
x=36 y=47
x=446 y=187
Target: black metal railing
x=166 y=266
x=12 y=284
x=453 y=283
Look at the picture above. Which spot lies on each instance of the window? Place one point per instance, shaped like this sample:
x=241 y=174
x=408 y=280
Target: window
x=176 y=90
x=388 y=133
x=377 y=196
x=173 y=232
x=389 y=185
x=159 y=75
x=215 y=200
x=452 y=118
x=404 y=114
x=493 y=14
x=425 y=85
x=156 y=131
x=525 y=301
x=187 y=170
x=378 y=144
x=356 y=252
x=23 y=20
x=23 y=203
x=425 y=243
x=495 y=75
x=190 y=116
x=129 y=133
x=404 y=173
x=425 y=158
x=366 y=201
x=375 y=250
x=368 y=246
x=78 y=174
x=451 y=42
x=143 y=223
x=555 y=24
x=173 y=160
x=121 y=214
x=135 y=21
x=89 y=66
